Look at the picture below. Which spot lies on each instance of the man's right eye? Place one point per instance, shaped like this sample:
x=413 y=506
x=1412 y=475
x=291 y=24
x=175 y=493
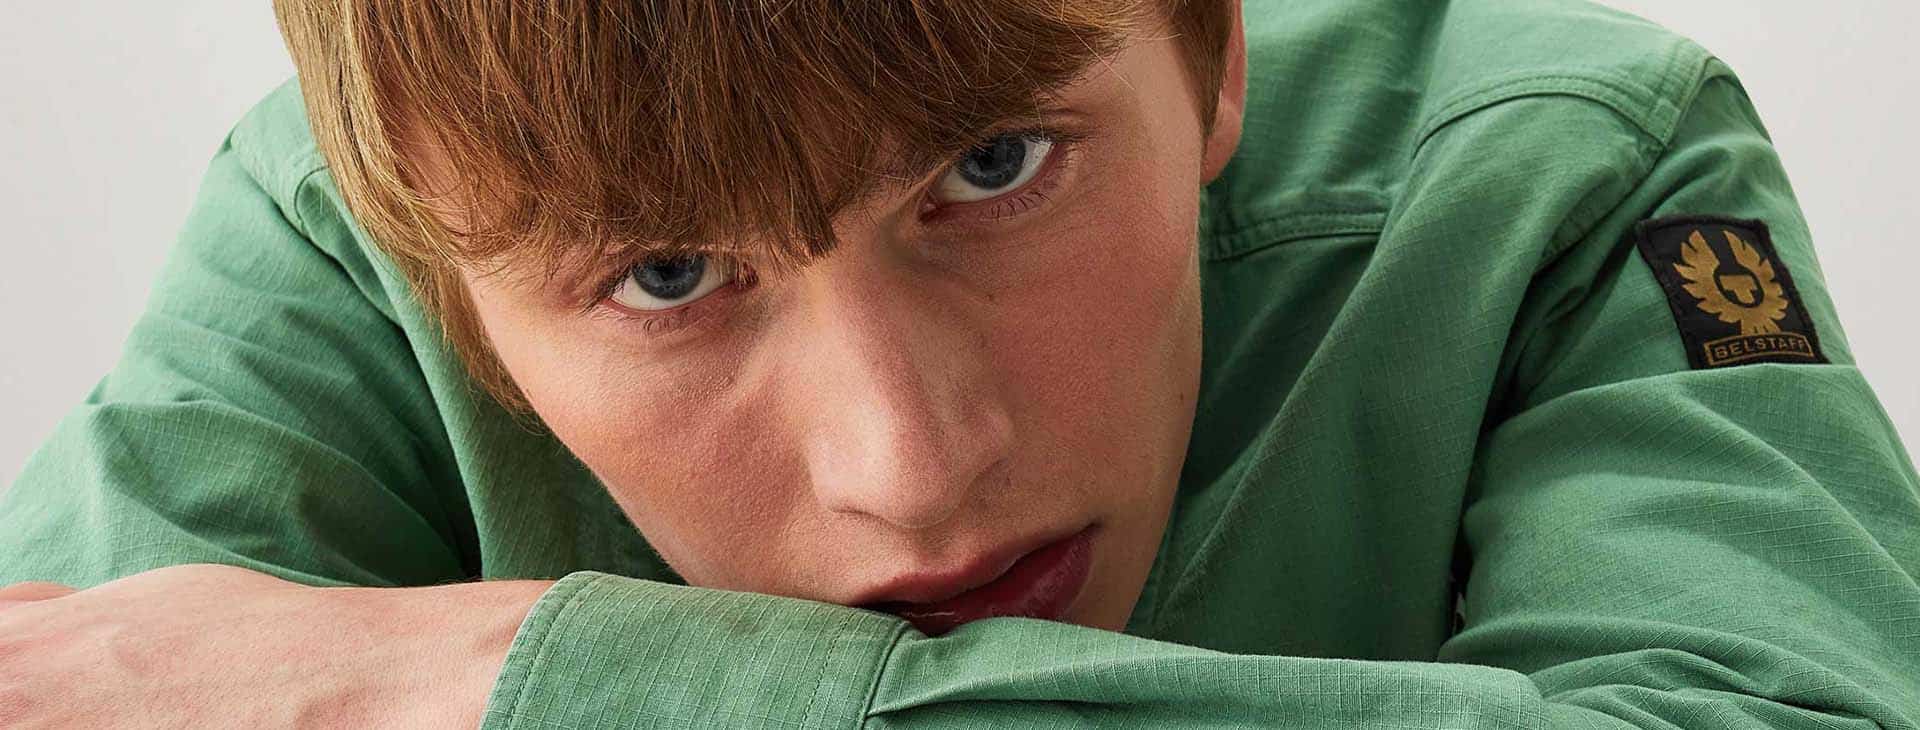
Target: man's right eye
x=660 y=284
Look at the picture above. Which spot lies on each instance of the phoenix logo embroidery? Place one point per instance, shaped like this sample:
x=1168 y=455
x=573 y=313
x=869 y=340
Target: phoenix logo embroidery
x=1757 y=302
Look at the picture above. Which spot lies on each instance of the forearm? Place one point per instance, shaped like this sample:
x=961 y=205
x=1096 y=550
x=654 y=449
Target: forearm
x=217 y=646
x=605 y=650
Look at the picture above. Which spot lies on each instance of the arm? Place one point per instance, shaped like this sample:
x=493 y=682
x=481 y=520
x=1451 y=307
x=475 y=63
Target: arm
x=1650 y=545
x=214 y=646
x=1664 y=629
x=266 y=413
x=263 y=414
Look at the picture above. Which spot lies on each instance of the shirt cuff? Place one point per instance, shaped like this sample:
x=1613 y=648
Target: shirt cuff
x=602 y=650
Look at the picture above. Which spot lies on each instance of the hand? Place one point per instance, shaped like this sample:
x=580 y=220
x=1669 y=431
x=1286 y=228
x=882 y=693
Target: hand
x=213 y=646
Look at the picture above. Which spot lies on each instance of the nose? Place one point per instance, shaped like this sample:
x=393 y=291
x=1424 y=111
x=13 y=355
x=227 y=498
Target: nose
x=896 y=403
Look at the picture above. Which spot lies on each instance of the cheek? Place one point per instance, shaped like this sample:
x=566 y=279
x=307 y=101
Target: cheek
x=701 y=483
x=1125 y=278
x=1104 y=348
x=693 y=479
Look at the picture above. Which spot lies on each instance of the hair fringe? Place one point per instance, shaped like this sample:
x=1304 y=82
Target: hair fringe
x=565 y=131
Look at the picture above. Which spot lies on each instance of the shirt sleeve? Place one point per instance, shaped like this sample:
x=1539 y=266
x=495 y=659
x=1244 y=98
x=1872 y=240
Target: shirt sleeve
x=1647 y=545
x=264 y=413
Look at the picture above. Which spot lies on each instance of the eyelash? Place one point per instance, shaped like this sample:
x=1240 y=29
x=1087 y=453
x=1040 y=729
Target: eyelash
x=1035 y=193
x=664 y=321
x=1066 y=145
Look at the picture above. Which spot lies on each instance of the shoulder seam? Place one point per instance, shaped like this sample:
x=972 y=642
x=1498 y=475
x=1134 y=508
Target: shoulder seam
x=1655 y=110
x=279 y=170
x=1708 y=69
x=293 y=197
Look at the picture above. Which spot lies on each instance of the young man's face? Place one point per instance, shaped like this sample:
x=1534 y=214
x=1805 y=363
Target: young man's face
x=1005 y=351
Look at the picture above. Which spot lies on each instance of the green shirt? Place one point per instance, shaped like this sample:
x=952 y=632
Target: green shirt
x=1435 y=364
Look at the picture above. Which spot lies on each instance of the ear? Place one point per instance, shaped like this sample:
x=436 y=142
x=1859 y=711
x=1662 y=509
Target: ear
x=1227 y=118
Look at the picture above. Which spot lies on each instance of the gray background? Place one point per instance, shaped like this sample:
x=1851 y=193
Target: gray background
x=109 y=112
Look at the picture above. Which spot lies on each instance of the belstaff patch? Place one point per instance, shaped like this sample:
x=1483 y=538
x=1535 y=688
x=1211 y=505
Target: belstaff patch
x=1731 y=295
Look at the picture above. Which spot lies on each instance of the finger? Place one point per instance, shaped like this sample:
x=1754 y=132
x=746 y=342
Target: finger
x=33 y=591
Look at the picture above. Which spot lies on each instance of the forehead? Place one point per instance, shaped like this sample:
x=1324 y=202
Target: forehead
x=720 y=141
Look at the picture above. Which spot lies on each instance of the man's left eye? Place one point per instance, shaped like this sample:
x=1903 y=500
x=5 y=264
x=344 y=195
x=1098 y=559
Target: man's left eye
x=659 y=284
x=999 y=166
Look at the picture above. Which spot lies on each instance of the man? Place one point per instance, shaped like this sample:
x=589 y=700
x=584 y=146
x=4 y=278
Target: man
x=979 y=364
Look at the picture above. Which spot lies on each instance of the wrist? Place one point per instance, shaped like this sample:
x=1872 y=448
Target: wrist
x=456 y=638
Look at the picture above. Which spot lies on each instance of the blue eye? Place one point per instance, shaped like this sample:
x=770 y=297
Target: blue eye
x=1001 y=165
x=670 y=279
x=658 y=284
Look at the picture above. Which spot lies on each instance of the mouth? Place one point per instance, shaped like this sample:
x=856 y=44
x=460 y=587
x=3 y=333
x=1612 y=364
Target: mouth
x=1041 y=584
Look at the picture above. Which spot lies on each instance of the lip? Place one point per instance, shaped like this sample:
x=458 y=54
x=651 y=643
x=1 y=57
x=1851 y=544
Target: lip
x=1032 y=581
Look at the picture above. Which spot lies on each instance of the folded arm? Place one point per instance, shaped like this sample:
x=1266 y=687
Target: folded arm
x=1650 y=545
